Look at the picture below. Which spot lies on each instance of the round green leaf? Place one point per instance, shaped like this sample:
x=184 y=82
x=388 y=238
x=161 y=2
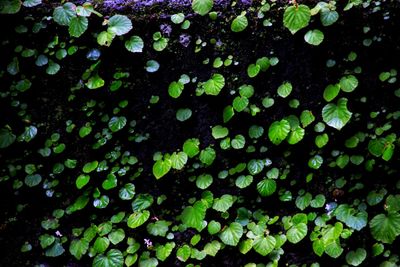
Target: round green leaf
x=113 y=258
x=231 y=234
x=135 y=44
x=278 y=131
x=337 y=115
x=119 y=25
x=314 y=37
x=296 y=233
x=77 y=26
x=296 y=17
x=202 y=7
x=239 y=24
x=138 y=218
x=348 y=83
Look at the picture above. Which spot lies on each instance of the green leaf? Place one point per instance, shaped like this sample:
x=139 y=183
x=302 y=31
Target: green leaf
x=223 y=203
x=90 y=166
x=243 y=181
x=296 y=135
x=53 y=68
x=191 y=147
x=231 y=234
x=193 y=216
x=113 y=258
x=127 y=192
x=296 y=17
x=135 y=44
x=302 y=202
x=278 y=131
x=348 y=83
x=10 y=6
x=213 y=227
x=55 y=250
x=78 y=248
x=207 y=156
x=306 y=118
x=239 y=24
x=116 y=236
x=183 y=253
x=266 y=187
x=95 y=82
x=138 y=218
x=117 y=123
x=119 y=25
x=158 y=228
x=240 y=103
x=328 y=17
x=285 y=89
x=163 y=251
x=77 y=26
x=82 y=180
x=175 y=89
x=202 y=7
x=152 y=66
x=203 y=181
x=101 y=244
x=296 y=233
x=331 y=91
x=355 y=258
x=264 y=245
x=351 y=217
x=314 y=37
x=178 y=18
x=33 y=180
x=333 y=249
x=385 y=228
x=7 y=138
x=238 y=142
x=183 y=114
x=161 y=168
x=212 y=248
x=64 y=14
x=214 y=85
x=219 y=132
x=337 y=115
x=178 y=160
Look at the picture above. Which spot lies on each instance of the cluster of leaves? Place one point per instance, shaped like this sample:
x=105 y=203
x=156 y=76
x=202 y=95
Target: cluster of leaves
x=138 y=226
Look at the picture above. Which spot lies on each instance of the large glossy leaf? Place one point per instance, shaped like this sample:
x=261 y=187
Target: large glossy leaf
x=138 y=218
x=119 y=25
x=385 y=227
x=63 y=14
x=240 y=23
x=117 y=123
x=77 y=26
x=296 y=233
x=355 y=258
x=223 y=203
x=202 y=7
x=264 y=245
x=135 y=44
x=7 y=138
x=336 y=115
x=266 y=187
x=351 y=217
x=78 y=248
x=161 y=167
x=296 y=17
x=193 y=216
x=214 y=85
x=278 y=131
x=231 y=234
x=113 y=258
